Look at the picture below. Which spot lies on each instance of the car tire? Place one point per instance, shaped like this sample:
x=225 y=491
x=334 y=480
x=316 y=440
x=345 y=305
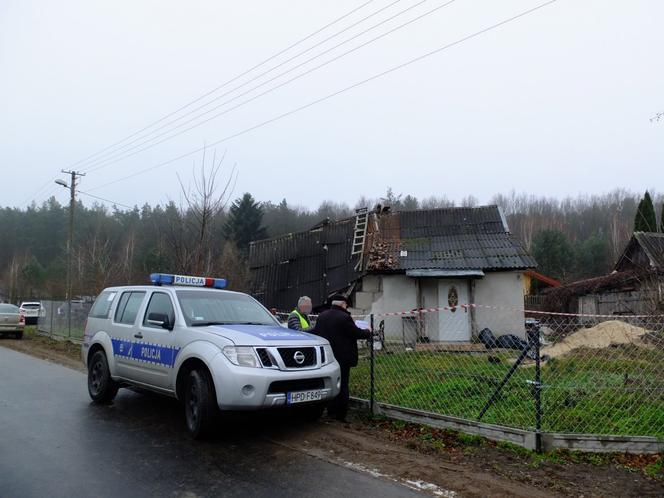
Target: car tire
x=200 y=404
x=101 y=387
x=18 y=335
x=312 y=413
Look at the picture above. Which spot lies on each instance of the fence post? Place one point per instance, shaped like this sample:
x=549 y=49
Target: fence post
x=50 y=330
x=372 y=385
x=535 y=334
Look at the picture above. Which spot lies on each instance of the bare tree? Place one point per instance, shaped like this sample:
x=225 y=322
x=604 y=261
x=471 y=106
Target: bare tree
x=96 y=267
x=205 y=199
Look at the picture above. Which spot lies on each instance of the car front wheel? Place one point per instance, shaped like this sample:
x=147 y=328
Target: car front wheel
x=200 y=406
x=101 y=386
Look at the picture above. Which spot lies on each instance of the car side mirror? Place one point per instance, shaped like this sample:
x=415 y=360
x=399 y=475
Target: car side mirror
x=160 y=320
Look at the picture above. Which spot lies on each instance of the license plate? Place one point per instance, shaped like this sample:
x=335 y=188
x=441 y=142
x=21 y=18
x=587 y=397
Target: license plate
x=304 y=396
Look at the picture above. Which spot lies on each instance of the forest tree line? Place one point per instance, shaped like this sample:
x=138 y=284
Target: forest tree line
x=207 y=233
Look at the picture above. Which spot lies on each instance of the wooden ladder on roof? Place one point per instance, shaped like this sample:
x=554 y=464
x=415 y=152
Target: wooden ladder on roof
x=360 y=235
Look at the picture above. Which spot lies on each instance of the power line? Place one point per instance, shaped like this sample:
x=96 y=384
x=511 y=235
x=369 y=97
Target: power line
x=198 y=99
x=41 y=189
x=126 y=154
x=235 y=78
x=100 y=160
x=105 y=200
x=338 y=92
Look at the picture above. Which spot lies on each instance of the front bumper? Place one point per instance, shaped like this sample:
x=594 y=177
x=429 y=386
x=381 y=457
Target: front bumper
x=246 y=388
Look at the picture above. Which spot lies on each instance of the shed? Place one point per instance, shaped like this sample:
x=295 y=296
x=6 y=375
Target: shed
x=634 y=287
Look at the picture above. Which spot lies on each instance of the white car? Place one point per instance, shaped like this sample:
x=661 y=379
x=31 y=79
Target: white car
x=31 y=310
x=211 y=349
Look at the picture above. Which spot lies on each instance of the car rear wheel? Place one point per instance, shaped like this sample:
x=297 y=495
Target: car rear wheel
x=101 y=386
x=200 y=406
x=18 y=335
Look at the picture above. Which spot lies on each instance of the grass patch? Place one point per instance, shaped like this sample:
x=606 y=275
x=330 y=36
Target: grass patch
x=58 y=345
x=615 y=391
x=656 y=469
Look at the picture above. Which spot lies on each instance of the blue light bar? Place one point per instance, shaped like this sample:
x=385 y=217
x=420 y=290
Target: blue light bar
x=185 y=280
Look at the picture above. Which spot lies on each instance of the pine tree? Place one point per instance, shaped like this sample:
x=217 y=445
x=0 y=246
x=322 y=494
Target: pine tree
x=554 y=253
x=645 y=219
x=245 y=222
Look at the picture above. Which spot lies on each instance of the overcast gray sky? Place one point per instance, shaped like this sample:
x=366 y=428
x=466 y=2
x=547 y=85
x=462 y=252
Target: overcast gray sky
x=556 y=103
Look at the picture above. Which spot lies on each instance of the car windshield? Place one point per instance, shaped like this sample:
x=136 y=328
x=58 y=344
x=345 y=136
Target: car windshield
x=31 y=306
x=8 y=308
x=202 y=308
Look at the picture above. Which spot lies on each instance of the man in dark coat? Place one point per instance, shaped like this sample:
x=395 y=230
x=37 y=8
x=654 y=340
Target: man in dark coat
x=337 y=326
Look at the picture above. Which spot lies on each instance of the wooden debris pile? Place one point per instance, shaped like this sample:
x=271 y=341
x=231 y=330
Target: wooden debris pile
x=380 y=257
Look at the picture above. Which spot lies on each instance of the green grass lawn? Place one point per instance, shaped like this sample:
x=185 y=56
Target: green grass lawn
x=611 y=391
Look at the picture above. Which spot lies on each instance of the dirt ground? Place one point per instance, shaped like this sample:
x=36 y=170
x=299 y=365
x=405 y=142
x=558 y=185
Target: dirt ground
x=438 y=462
x=56 y=351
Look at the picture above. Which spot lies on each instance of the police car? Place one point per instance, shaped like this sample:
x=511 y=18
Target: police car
x=212 y=349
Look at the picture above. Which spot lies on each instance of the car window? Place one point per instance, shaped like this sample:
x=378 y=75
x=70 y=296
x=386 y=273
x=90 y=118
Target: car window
x=128 y=307
x=102 y=305
x=30 y=306
x=202 y=306
x=159 y=303
x=8 y=308
x=122 y=304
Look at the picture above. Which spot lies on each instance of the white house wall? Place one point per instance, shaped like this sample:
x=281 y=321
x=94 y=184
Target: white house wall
x=389 y=293
x=503 y=290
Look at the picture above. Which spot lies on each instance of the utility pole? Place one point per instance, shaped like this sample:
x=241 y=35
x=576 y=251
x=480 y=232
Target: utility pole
x=70 y=243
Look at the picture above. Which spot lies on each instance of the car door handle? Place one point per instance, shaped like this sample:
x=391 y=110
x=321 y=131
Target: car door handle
x=138 y=335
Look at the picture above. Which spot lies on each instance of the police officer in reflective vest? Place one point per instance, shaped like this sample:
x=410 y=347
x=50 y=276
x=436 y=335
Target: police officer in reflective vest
x=299 y=317
x=337 y=326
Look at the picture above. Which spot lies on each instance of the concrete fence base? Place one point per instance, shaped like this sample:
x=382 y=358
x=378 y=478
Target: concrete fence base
x=522 y=437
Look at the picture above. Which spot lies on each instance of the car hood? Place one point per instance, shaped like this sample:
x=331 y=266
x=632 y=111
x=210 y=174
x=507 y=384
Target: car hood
x=265 y=335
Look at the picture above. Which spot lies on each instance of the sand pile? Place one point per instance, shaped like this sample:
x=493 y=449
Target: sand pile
x=600 y=336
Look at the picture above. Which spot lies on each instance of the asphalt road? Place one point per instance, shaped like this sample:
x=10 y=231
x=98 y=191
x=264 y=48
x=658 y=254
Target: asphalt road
x=54 y=442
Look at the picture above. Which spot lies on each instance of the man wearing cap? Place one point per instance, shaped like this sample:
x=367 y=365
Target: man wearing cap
x=337 y=326
x=299 y=317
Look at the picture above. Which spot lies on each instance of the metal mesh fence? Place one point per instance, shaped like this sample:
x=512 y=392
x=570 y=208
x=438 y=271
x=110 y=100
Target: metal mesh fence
x=528 y=370
x=56 y=320
x=547 y=372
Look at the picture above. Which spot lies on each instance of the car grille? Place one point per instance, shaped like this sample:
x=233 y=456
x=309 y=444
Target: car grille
x=264 y=357
x=285 y=386
x=288 y=357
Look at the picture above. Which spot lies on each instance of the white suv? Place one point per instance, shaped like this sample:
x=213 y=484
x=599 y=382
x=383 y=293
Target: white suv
x=211 y=349
x=31 y=311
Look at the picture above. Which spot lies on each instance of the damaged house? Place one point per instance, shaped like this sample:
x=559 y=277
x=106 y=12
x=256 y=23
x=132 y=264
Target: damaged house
x=401 y=261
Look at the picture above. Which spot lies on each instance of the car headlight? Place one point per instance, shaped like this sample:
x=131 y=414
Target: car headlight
x=329 y=354
x=242 y=356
